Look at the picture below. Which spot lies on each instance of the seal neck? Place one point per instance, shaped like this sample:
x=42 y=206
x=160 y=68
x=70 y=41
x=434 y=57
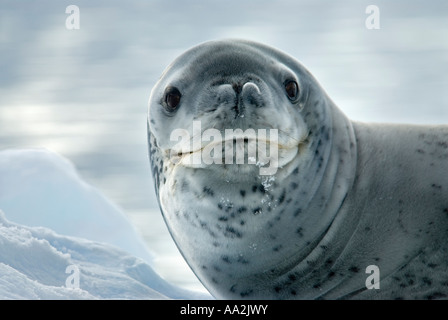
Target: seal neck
x=328 y=178
x=328 y=173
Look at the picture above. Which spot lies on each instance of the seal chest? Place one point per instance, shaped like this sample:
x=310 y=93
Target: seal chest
x=269 y=191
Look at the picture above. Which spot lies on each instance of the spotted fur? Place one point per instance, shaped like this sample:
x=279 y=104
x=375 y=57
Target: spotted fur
x=353 y=195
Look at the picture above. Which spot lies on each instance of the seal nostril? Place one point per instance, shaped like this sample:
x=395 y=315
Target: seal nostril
x=251 y=88
x=251 y=95
x=238 y=96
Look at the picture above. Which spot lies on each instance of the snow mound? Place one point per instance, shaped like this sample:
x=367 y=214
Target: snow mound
x=68 y=241
x=41 y=188
x=37 y=263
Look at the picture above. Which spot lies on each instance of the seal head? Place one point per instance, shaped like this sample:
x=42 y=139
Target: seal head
x=251 y=162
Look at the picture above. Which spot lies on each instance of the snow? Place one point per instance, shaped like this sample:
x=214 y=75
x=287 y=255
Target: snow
x=60 y=238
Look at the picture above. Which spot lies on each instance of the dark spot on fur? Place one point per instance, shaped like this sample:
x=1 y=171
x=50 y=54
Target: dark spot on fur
x=435 y=295
x=208 y=191
x=277 y=289
x=256 y=210
x=184 y=186
x=230 y=232
x=436 y=186
x=282 y=197
x=254 y=188
x=297 y=212
x=226 y=259
x=243 y=193
x=443 y=144
x=354 y=269
x=420 y=151
x=294 y=185
x=246 y=293
x=242 y=260
x=242 y=209
x=320 y=161
x=427 y=281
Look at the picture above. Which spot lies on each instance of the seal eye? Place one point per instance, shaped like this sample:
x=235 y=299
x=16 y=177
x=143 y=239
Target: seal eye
x=172 y=98
x=292 y=89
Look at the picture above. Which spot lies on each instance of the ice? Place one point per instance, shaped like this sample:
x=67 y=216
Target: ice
x=54 y=228
x=41 y=188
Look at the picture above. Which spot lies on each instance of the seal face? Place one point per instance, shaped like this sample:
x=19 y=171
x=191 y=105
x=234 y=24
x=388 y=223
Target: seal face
x=262 y=183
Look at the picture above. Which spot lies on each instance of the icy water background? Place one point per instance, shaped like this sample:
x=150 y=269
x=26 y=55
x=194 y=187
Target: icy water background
x=83 y=93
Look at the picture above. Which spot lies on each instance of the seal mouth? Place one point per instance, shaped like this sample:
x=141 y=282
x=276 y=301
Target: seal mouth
x=268 y=154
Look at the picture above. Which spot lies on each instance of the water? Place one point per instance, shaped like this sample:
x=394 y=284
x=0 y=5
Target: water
x=83 y=93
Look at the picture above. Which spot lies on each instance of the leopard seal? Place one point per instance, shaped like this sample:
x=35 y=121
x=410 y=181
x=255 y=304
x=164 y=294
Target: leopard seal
x=353 y=210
